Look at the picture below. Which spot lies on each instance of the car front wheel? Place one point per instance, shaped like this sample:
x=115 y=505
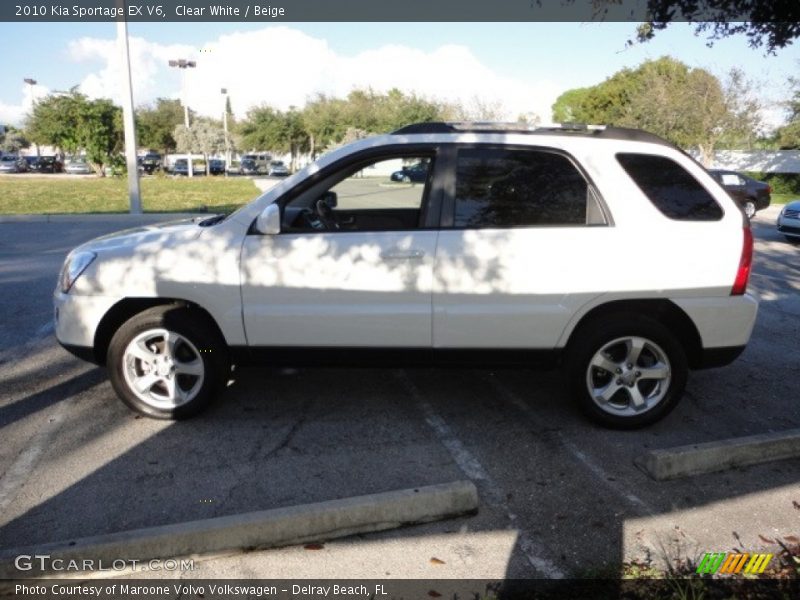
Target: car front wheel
x=627 y=371
x=167 y=362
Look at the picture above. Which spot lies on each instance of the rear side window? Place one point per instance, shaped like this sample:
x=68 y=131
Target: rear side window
x=670 y=187
x=500 y=187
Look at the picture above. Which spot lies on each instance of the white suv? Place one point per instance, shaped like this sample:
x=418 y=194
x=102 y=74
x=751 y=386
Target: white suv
x=607 y=250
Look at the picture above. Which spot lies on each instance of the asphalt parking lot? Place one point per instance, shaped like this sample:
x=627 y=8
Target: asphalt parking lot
x=558 y=495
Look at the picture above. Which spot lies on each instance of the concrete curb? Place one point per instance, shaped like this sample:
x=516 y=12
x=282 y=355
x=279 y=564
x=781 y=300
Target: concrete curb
x=109 y=217
x=694 y=459
x=263 y=529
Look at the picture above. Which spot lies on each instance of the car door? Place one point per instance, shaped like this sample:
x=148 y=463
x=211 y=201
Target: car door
x=519 y=225
x=353 y=264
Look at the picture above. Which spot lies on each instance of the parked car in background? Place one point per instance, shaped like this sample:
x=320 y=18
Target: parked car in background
x=235 y=168
x=11 y=163
x=751 y=194
x=77 y=165
x=249 y=166
x=216 y=166
x=255 y=163
x=606 y=250
x=416 y=173
x=789 y=221
x=150 y=163
x=49 y=164
x=278 y=169
x=33 y=162
x=180 y=167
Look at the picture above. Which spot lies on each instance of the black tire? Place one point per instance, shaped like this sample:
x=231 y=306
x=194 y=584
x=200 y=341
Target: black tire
x=195 y=339
x=750 y=208
x=792 y=239
x=608 y=332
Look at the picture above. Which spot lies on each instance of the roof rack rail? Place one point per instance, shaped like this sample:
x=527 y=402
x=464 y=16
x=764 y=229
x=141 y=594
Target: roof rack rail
x=466 y=126
x=600 y=131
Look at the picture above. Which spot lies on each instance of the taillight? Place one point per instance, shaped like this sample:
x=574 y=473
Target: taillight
x=745 y=264
x=769 y=189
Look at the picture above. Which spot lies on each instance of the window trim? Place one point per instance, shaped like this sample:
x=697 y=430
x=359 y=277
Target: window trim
x=450 y=158
x=430 y=206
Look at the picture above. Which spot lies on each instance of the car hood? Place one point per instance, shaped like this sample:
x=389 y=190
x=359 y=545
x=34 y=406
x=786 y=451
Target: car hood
x=793 y=204
x=138 y=236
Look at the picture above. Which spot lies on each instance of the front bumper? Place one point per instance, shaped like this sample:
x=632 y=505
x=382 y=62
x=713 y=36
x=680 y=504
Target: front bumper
x=77 y=318
x=788 y=226
x=718 y=357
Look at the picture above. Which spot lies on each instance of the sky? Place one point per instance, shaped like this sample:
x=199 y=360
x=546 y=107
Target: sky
x=518 y=67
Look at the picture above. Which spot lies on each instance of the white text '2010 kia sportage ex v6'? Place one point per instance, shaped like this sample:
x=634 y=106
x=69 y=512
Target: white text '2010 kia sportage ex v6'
x=608 y=251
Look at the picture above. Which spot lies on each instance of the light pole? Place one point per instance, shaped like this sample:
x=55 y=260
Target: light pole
x=32 y=82
x=184 y=64
x=224 y=92
x=128 y=119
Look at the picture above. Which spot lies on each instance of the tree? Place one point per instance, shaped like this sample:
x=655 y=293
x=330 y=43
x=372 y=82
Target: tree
x=772 y=24
x=477 y=109
x=323 y=120
x=689 y=107
x=788 y=136
x=72 y=122
x=262 y=129
x=155 y=125
x=266 y=128
x=13 y=141
x=205 y=136
x=294 y=137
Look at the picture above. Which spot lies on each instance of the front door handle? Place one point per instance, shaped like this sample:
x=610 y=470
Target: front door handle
x=398 y=254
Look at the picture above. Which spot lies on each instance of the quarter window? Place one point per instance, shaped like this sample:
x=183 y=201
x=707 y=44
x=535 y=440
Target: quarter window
x=499 y=188
x=670 y=188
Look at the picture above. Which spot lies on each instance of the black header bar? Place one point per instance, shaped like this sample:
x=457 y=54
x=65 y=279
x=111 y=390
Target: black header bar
x=175 y=11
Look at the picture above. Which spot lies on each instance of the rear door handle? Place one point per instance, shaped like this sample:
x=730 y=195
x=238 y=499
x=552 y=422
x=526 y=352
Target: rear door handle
x=397 y=254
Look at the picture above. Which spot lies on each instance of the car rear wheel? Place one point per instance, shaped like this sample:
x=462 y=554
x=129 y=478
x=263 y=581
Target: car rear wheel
x=626 y=371
x=167 y=362
x=750 y=209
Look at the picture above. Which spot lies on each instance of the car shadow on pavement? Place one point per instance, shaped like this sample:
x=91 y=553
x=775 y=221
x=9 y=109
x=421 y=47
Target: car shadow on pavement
x=286 y=437
x=50 y=396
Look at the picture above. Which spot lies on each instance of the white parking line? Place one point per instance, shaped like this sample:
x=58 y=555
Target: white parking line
x=587 y=462
x=473 y=469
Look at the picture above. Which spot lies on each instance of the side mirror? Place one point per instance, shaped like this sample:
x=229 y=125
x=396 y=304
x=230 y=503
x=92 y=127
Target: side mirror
x=269 y=221
x=330 y=199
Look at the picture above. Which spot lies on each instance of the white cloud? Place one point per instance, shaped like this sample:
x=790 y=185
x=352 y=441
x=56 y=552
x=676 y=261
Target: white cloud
x=14 y=114
x=282 y=67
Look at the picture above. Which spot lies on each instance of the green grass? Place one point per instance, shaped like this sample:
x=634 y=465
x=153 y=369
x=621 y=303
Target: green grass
x=783 y=198
x=49 y=195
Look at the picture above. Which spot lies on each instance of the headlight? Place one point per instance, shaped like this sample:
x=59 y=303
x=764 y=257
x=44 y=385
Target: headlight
x=73 y=267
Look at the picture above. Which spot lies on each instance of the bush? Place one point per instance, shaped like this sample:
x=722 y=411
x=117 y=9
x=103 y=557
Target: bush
x=781 y=183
